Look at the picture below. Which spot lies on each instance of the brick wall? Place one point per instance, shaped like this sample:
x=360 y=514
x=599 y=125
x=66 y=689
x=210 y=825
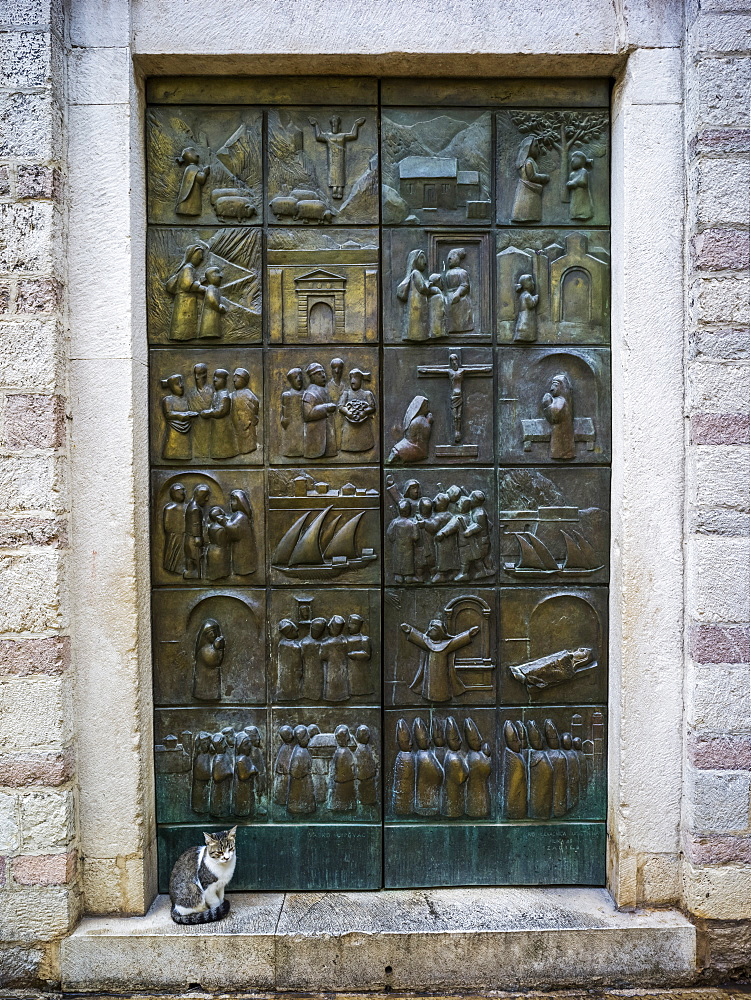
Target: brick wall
x=38 y=858
x=717 y=828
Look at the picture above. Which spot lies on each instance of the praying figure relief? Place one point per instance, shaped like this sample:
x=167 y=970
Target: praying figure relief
x=194 y=177
x=336 y=144
x=322 y=660
x=416 y=429
x=558 y=409
x=212 y=421
x=578 y=185
x=207 y=663
x=525 y=330
x=327 y=417
x=436 y=775
x=203 y=542
x=335 y=771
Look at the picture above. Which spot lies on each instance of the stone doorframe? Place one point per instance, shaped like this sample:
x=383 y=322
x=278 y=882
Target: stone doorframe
x=109 y=583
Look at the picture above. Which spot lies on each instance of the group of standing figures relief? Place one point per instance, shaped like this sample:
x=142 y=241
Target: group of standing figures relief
x=322 y=415
x=230 y=415
x=207 y=542
x=440 y=540
x=545 y=773
x=229 y=773
x=437 y=773
x=323 y=660
x=197 y=305
x=439 y=304
x=335 y=771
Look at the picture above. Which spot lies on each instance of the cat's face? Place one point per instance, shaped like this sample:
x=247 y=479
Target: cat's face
x=221 y=846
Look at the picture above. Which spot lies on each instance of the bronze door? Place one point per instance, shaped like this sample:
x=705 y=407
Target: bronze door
x=378 y=318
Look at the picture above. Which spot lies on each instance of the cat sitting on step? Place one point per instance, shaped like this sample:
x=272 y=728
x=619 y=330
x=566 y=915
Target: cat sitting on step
x=199 y=878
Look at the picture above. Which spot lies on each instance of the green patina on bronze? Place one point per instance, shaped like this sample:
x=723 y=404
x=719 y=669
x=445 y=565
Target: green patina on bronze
x=379 y=408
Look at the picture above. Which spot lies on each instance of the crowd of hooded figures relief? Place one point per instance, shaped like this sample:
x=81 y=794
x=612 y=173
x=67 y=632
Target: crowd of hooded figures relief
x=217 y=420
x=546 y=774
x=441 y=539
x=445 y=770
x=439 y=773
x=335 y=771
x=203 y=541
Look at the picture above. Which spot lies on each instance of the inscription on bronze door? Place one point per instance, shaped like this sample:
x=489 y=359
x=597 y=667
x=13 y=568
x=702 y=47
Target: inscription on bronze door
x=379 y=404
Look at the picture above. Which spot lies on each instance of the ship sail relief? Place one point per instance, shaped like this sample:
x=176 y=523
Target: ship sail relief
x=317 y=548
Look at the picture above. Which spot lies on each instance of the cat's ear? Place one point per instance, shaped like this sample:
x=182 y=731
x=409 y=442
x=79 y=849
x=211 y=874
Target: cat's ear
x=209 y=838
x=233 y=831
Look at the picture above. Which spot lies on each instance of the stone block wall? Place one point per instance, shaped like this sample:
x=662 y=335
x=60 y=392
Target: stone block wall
x=39 y=864
x=717 y=823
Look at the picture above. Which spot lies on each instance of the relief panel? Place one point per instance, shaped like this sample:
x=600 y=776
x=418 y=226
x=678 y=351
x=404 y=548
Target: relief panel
x=553 y=286
x=206 y=407
x=211 y=765
x=204 y=286
x=553 y=167
x=324 y=527
x=554 y=525
x=436 y=410
x=325 y=646
x=322 y=166
x=209 y=646
x=554 y=406
x=207 y=528
x=326 y=765
x=441 y=767
x=322 y=286
x=435 y=166
x=205 y=165
x=552 y=763
x=554 y=645
x=440 y=645
x=439 y=528
x=323 y=405
x=437 y=286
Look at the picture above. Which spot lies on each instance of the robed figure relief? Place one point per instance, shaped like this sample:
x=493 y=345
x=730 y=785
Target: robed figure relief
x=336 y=145
x=190 y=195
x=436 y=676
x=207 y=662
x=528 y=198
x=558 y=410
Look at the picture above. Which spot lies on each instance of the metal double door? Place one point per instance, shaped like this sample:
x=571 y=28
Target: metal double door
x=379 y=376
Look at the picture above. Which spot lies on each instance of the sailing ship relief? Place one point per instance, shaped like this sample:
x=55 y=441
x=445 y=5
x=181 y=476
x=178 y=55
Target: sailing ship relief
x=534 y=557
x=329 y=534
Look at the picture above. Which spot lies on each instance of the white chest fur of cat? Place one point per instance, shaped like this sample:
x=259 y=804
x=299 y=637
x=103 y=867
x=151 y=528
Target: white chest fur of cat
x=199 y=878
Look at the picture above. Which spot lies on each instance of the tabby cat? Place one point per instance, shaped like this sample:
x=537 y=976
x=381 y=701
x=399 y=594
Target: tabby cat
x=199 y=878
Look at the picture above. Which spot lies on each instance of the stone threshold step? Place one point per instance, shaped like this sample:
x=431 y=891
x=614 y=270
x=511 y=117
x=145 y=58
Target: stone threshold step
x=420 y=939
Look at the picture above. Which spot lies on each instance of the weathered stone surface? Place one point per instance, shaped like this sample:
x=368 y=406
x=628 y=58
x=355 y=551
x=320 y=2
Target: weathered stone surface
x=719 y=521
x=721 y=195
x=152 y=952
x=46 y=820
x=23 y=769
x=26 y=237
x=34 y=180
x=34 y=421
x=9 y=833
x=719 y=850
x=718 y=892
x=720 y=249
x=718 y=590
x=44 y=869
x=719 y=428
x=31 y=712
x=720 y=300
x=719 y=476
x=30 y=126
x=725 y=32
x=716 y=387
x=721 y=751
x=445 y=939
x=39 y=295
x=25 y=59
x=720 y=643
x=729 y=343
x=37 y=913
x=719 y=801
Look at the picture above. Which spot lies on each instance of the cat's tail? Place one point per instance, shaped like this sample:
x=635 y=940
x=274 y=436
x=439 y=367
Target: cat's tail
x=203 y=916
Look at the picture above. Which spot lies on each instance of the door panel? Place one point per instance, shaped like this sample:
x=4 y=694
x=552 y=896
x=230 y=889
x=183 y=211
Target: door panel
x=379 y=405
